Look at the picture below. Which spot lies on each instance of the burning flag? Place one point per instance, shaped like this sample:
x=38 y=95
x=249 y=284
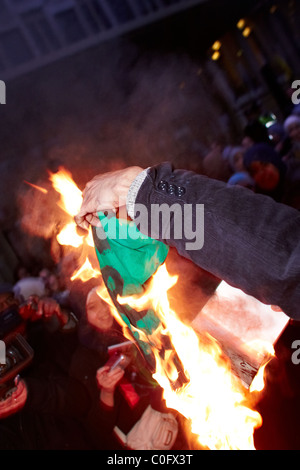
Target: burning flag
x=192 y=368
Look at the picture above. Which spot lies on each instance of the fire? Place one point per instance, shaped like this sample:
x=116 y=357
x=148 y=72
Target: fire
x=213 y=401
x=267 y=352
x=86 y=272
x=71 y=196
x=39 y=188
x=69 y=236
x=70 y=202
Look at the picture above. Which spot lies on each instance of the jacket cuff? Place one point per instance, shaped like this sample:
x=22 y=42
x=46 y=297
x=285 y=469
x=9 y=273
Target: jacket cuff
x=133 y=191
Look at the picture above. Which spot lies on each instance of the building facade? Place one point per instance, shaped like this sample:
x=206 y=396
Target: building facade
x=37 y=32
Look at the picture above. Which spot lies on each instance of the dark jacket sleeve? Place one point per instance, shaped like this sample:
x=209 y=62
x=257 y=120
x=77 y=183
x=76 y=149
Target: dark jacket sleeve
x=246 y=239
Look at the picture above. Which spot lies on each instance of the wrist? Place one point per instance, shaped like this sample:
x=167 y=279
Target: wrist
x=107 y=397
x=133 y=191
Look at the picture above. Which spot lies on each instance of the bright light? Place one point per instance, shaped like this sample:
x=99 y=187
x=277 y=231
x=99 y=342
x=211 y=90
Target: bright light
x=216 y=55
x=247 y=32
x=241 y=24
x=216 y=45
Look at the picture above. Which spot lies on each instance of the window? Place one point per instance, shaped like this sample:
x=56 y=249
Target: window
x=41 y=32
x=147 y=6
x=94 y=15
x=121 y=10
x=70 y=26
x=15 y=47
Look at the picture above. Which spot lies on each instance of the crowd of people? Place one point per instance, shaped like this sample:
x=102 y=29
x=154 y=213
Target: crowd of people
x=267 y=161
x=66 y=396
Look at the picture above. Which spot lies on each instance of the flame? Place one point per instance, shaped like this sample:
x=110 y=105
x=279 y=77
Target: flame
x=71 y=196
x=70 y=202
x=39 y=188
x=69 y=236
x=213 y=401
x=86 y=272
x=267 y=352
x=215 y=404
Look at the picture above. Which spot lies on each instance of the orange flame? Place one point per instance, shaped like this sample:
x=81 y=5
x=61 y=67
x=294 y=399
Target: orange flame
x=69 y=236
x=213 y=401
x=267 y=353
x=39 y=188
x=71 y=196
x=86 y=272
x=70 y=202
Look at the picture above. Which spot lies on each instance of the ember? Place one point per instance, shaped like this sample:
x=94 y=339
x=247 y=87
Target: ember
x=42 y=190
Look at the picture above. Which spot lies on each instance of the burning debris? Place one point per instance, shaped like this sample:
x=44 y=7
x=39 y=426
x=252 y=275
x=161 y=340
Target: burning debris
x=198 y=365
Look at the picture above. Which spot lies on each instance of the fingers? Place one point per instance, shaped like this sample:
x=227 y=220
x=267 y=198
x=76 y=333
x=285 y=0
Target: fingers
x=105 y=192
x=48 y=307
x=108 y=379
x=84 y=220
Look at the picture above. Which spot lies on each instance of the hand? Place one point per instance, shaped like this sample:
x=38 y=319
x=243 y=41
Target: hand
x=15 y=399
x=107 y=380
x=43 y=308
x=105 y=192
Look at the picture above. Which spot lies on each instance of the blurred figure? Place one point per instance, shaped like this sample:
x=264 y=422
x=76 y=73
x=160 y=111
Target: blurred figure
x=242 y=178
x=214 y=165
x=279 y=139
x=29 y=286
x=118 y=397
x=234 y=156
x=41 y=409
x=267 y=169
x=21 y=271
x=292 y=127
x=292 y=160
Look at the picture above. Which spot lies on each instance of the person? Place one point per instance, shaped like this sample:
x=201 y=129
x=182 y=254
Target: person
x=28 y=286
x=234 y=156
x=242 y=178
x=41 y=406
x=118 y=397
x=250 y=241
x=267 y=170
x=292 y=159
x=143 y=424
x=292 y=128
x=279 y=139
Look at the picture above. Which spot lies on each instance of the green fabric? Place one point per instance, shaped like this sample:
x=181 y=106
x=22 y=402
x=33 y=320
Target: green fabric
x=127 y=260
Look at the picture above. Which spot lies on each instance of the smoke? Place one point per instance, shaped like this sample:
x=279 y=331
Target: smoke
x=107 y=108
